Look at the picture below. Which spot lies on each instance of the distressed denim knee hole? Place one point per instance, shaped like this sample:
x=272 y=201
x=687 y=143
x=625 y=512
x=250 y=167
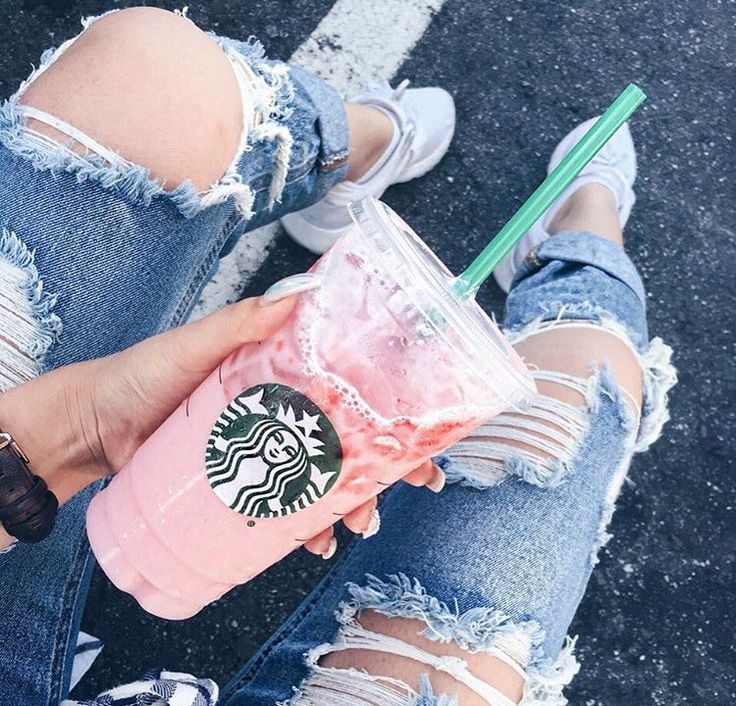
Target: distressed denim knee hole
x=536 y=446
x=266 y=92
x=539 y=446
x=478 y=630
x=28 y=326
x=654 y=358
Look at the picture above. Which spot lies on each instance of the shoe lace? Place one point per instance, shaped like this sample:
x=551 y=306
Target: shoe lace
x=399 y=91
x=409 y=128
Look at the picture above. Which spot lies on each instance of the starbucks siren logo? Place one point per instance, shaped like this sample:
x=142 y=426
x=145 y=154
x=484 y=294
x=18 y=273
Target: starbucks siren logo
x=272 y=452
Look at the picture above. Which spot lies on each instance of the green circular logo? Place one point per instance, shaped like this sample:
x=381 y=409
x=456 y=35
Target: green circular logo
x=272 y=452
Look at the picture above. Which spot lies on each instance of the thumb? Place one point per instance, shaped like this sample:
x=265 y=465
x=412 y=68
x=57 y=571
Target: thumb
x=207 y=342
x=193 y=351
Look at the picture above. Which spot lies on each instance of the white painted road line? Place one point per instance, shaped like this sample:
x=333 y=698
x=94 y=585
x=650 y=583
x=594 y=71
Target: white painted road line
x=356 y=43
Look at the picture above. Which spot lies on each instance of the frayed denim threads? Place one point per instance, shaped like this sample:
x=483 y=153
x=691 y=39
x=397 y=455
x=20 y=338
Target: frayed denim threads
x=28 y=324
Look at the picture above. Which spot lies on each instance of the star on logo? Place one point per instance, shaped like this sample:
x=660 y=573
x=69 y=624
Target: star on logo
x=312 y=444
x=319 y=478
x=252 y=403
x=309 y=423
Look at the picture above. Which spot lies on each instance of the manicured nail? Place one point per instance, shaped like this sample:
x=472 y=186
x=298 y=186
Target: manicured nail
x=438 y=480
x=373 y=526
x=289 y=286
x=331 y=549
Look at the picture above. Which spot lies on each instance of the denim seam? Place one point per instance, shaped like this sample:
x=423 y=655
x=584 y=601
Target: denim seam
x=63 y=653
x=339 y=159
x=197 y=279
x=296 y=173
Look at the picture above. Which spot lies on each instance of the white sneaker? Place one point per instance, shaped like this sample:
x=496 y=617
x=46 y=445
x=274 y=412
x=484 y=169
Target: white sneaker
x=424 y=120
x=614 y=167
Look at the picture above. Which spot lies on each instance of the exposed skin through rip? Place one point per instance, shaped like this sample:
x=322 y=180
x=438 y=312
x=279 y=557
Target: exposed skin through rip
x=490 y=669
x=150 y=86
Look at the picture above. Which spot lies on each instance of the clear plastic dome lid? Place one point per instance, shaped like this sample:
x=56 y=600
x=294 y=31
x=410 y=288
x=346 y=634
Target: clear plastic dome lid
x=435 y=308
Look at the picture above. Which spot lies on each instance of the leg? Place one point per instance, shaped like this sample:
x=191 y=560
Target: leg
x=592 y=208
x=370 y=137
x=151 y=87
x=570 y=351
x=491 y=572
x=184 y=122
x=106 y=211
x=125 y=242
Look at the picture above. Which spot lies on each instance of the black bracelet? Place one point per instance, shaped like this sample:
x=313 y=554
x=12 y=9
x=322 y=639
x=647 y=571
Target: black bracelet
x=27 y=507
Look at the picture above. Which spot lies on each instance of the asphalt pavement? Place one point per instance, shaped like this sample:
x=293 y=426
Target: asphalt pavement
x=656 y=625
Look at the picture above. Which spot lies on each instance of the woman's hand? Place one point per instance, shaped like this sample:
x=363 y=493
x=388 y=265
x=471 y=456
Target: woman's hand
x=136 y=390
x=85 y=421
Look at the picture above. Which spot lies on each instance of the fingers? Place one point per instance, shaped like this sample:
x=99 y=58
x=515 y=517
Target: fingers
x=324 y=544
x=364 y=519
x=429 y=474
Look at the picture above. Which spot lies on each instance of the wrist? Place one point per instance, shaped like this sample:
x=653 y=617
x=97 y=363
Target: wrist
x=49 y=417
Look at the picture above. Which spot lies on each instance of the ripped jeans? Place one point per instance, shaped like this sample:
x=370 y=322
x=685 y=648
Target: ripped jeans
x=497 y=563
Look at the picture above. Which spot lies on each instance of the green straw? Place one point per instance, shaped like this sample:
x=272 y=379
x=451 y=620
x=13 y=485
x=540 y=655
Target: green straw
x=551 y=188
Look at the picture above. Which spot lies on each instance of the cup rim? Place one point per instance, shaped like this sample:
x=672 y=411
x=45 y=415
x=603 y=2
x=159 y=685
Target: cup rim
x=377 y=220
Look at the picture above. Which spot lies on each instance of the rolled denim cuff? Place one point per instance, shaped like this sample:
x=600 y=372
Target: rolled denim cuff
x=578 y=275
x=332 y=122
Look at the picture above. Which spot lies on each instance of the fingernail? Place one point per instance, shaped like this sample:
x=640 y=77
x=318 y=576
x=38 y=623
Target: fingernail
x=331 y=549
x=438 y=481
x=289 y=286
x=373 y=526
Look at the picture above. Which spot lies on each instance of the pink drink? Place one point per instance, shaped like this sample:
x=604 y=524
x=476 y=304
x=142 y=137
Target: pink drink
x=376 y=370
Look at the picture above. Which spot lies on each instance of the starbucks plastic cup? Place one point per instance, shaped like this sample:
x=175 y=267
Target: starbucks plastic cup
x=376 y=370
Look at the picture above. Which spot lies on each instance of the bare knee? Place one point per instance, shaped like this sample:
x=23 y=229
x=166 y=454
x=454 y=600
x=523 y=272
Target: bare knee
x=576 y=350
x=149 y=85
x=564 y=358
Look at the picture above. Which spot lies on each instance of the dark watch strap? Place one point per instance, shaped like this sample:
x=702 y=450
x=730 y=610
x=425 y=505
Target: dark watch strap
x=27 y=507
